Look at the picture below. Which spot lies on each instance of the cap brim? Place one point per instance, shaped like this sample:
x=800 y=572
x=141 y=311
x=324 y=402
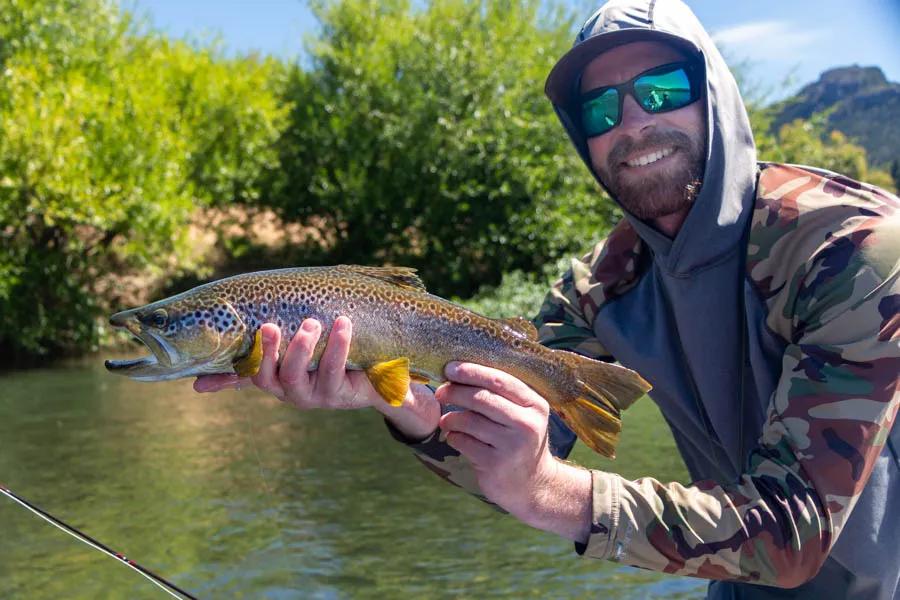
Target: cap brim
x=561 y=82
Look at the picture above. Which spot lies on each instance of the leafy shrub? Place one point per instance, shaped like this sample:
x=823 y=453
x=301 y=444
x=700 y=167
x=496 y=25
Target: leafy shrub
x=109 y=137
x=421 y=136
x=807 y=143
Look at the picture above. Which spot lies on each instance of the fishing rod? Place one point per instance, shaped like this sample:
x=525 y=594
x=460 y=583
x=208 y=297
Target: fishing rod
x=168 y=587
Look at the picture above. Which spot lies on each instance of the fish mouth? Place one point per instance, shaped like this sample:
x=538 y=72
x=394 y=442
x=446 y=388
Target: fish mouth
x=136 y=365
x=166 y=361
x=160 y=364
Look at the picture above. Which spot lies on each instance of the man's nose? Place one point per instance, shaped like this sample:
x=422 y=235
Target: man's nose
x=634 y=118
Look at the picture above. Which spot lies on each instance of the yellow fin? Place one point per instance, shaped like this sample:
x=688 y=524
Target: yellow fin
x=522 y=326
x=249 y=365
x=596 y=426
x=593 y=412
x=391 y=379
x=416 y=378
x=403 y=277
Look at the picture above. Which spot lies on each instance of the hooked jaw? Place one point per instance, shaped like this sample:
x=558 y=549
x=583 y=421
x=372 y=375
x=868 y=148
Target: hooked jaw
x=189 y=352
x=148 y=368
x=126 y=320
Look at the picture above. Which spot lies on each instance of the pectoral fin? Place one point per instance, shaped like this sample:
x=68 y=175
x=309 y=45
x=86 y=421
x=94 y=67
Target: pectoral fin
x=249 y=364
x=391 y=379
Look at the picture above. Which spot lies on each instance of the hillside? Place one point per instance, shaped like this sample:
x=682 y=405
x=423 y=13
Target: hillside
x=865 y=105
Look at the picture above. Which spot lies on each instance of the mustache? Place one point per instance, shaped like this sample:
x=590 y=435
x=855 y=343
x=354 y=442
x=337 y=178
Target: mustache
x=626 y=146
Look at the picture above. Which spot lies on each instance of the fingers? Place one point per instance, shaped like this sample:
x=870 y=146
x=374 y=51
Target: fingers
x=500 y=383
x=332 y=368
x=478 y=453
x=330 y=386
x=215 y=383
x=267 y=376
x=294 y=372
x=473 y=425
x=497 y=409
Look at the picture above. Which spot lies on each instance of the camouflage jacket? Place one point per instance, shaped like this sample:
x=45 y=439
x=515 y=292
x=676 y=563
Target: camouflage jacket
x=822 y=271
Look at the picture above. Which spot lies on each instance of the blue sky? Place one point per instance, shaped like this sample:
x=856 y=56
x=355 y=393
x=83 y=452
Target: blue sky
x=780 y=38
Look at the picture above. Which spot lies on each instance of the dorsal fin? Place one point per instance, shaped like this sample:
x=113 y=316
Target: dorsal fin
x=521 y=326
x=404 y=277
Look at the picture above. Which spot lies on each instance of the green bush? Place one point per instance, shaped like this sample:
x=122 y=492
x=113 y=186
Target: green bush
x=109 y=138
x=417 y=135
x=421 y=137
x=518 y=294
x=808 y=143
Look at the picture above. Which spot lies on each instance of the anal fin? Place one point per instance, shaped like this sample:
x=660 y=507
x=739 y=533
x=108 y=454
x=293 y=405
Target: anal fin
x=391 y=379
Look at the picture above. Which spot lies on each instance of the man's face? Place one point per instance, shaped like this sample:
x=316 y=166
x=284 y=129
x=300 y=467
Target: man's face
x=661 y=187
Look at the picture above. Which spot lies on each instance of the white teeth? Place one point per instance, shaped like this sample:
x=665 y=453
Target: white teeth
x=649 y=158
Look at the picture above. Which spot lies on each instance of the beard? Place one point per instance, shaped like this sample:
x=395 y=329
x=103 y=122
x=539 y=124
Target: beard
x=662 y=192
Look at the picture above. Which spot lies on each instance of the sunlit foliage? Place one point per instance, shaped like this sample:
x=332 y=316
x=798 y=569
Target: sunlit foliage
x=422 y=135
x=109 y=137
x=416 y=133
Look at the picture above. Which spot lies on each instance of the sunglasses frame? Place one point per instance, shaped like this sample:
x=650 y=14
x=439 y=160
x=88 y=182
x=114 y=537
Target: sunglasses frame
x=691 y=69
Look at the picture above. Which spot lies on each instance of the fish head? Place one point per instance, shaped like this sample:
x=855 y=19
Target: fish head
x=187 y=335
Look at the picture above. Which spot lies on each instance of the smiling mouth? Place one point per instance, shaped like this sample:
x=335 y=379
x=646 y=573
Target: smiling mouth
x=649 y=158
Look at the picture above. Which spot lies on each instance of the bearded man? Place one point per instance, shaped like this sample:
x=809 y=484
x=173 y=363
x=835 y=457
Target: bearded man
x=762 y=302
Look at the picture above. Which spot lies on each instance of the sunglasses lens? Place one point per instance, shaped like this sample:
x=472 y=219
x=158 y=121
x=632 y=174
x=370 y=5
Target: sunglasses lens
x=600 y=114
x=659 y=92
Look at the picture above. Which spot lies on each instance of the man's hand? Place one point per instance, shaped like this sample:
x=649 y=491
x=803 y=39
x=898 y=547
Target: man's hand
x=331 y=385
x=503 y=433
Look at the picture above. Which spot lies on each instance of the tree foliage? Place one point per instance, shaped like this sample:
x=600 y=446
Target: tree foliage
x=109 y=137
x=417 y=134
x=422 y=137
x=808 y=142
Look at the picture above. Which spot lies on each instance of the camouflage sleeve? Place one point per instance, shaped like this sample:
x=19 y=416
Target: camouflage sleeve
x=827 y=423
x=567 y=314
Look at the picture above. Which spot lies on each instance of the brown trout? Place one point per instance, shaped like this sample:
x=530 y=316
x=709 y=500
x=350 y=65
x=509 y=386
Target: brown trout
x=401 y=334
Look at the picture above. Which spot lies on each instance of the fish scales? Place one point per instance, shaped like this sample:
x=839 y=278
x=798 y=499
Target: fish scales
x=388 y=318
x=214 y=329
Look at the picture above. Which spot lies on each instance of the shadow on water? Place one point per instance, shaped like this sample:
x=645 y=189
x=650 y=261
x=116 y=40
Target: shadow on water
x=236 y=495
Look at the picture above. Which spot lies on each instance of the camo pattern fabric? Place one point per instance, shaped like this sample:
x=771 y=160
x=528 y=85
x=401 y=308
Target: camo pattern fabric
x=823 y=253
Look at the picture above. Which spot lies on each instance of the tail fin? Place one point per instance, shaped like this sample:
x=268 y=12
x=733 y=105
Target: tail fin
x=603 y=391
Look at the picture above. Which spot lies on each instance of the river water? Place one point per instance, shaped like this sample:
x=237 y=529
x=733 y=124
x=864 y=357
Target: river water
x=234 y=495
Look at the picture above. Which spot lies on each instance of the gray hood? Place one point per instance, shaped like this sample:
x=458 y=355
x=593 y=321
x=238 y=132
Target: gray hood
x=714 y=226
x=684 y=325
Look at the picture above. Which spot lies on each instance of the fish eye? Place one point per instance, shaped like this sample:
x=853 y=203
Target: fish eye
x=157 y=318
